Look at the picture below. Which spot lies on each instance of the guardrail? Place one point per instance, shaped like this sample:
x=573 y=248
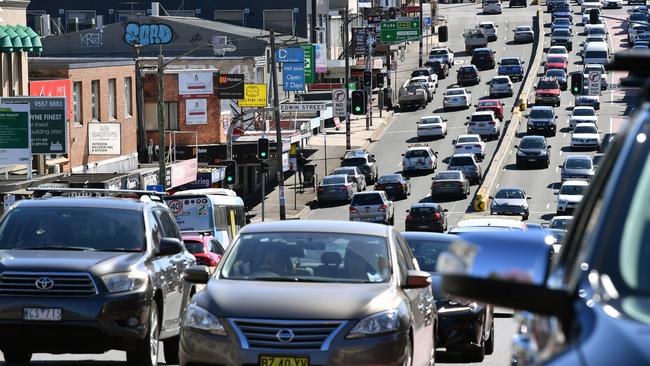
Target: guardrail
x=481 y=199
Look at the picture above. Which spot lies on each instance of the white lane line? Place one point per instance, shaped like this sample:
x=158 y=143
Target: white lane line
x=498 y=186
x=564 y=135
x=610 y=124
x=557 y=169
x=396 y=132
x=548 y=205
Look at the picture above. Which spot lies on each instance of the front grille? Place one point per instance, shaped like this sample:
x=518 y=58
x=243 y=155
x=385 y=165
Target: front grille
x=52 y=284
x=286 y=334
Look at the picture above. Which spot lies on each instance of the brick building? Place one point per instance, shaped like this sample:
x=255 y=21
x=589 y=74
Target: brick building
x=103 y=111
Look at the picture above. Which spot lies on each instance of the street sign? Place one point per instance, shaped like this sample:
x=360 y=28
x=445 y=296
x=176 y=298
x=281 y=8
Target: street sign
x=310 y=63
x=594 y=83
x=394 y=31
x=302 y=107
x=230 y=86
x=254 y=96
x=293 y=76
x=49 y=125
x=290 y=54
x=339 y=102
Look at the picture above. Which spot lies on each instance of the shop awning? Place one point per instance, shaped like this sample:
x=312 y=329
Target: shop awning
x=19 y=38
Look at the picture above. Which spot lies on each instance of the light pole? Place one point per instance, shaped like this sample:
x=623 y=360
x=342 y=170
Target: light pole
x=278 y=128
x=421 y=34
x=346 y=41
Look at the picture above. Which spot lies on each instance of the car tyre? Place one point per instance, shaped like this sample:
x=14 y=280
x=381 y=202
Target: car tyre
x=489 y=343
x=16 y=357
x=408 y=352
x=146 y=352
x=476 y=353
x=170 y=349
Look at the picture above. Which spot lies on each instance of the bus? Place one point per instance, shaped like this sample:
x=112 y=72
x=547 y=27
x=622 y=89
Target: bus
x=217 y=211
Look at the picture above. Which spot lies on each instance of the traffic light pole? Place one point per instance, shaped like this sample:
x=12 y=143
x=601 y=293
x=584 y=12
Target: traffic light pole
x=368 y=89
x=278 y=128
x=263 y=187
x=421 y=35
x=346 y=41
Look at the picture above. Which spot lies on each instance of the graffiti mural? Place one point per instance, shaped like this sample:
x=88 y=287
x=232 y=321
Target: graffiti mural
x=148 y=34
x=93 y=39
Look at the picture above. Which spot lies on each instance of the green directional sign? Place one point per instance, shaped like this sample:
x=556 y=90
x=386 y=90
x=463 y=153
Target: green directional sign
x=394 y=31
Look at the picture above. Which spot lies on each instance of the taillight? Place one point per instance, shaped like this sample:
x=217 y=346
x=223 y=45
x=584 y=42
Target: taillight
x=404 y=186
x=460 y=184
x=383 y=208
x=409 y=217
x=353 y=210
x=436 y=216
x=321 y=189
x=344 y=188
x=479 y=146
x=493 y=123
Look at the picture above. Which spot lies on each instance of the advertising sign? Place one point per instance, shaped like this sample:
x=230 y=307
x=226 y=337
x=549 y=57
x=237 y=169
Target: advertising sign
x=14 y=134
x=321 y=58
x=183 y=172
x=293 y=76
x=48 y=123
x=104 y=138
x=360 y=41
x=254 y=96
x=196 y=111
x=195 y=83
x=290 y=54
x=230 y=86
x=310 y=63
x=191 y=214
x=339 y=102
x=53 y=88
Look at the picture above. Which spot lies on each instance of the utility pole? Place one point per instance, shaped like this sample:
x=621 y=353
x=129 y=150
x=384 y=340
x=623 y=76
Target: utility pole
x=139 y=105
x=421 y=34
x=368 y=89
x=348 y=142
x=162 y=176
x=278 y=129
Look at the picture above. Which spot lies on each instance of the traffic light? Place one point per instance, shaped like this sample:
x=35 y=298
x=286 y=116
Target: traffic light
x=263 y=148
x=577 y=83
x=231 y=170
x=593 y=16
x=358 y=102
x=367 y=78
x=443 y=33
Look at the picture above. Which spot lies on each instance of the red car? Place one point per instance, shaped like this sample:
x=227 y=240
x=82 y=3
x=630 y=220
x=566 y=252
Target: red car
x=205 y=248
x=556 y=62
x=493 y=105
x=547 y=92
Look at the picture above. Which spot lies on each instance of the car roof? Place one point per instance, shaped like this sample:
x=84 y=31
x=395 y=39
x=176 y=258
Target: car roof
x=99 y=202
x=575 y=183
x=542 y=107
x=480 y=113
x=336 y=176
x=489 y=100
x=464 y=155
x=564 y=217
x=510 y=189
x=419 y=235
x=586 y=124
x=427 y=117
x=533 y=137
x=577 y=157
x=454 y=89
x=494 y=222
x=318 y=226
x=425 y=204
x=483 y=49
x=418 y=148
x=470 y=135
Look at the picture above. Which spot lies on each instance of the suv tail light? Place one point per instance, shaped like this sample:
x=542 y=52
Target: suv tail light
x=344 y=188
x=382 y=208
x=409 y=217
x=437 y=216
x=479 y=146
x=353 y=210
x=492 y=123
x=321 y=189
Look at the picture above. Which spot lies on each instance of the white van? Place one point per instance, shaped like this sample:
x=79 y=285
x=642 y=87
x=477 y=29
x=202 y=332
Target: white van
x=595 y=53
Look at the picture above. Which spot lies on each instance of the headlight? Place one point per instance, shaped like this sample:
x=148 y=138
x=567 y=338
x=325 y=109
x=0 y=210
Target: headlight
x=381 y=323
x=520 y=153
x=543 y=152
x=198 y=318
x=126 y=281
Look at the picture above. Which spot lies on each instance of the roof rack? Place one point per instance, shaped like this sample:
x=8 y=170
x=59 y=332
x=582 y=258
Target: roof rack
x=97 y=192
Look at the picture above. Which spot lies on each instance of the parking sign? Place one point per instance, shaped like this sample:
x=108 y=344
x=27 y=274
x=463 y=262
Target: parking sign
x=339 y=102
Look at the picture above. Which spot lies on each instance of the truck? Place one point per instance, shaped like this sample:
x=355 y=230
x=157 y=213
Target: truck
x=475 y=38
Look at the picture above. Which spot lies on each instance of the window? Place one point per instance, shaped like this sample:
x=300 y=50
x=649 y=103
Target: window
x=128 y=102
x=94 y=87
x=76 y=102
x=151 y=116
x=235 y=17
x=112 y=103
x=281 y=21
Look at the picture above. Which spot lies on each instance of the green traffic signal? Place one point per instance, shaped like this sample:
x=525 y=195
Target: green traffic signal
x=229 y=179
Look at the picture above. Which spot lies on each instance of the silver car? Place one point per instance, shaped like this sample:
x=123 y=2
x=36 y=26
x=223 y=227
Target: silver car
x=354 y=173
x=339 y=187
x=372 y=207
x=524 y=33
x=577 y=167
x=501 y=85
x=510 y=201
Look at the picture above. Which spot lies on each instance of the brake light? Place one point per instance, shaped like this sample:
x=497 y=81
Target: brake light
x=383 y=208
x=409 y=217
x=344 y=188
x=479 y=146
x=353 y=210
x=436 y=216
x=492 y=123
x=321 y=189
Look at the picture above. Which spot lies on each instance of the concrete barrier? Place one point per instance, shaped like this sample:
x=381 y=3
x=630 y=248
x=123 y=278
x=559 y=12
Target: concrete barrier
x=491 y=176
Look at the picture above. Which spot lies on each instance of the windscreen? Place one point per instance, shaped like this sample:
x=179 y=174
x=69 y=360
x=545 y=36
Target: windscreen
x=393 y=178
x=541 y=113
x=572 y=190
x=584 y=112
x=585 y=129
x=426 y=252
x=534 y=143
x=509 y=194
x=578 y=163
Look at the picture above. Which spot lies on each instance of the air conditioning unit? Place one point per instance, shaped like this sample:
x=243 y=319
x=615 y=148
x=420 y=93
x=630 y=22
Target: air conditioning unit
x=45 y=29
x=155 y=9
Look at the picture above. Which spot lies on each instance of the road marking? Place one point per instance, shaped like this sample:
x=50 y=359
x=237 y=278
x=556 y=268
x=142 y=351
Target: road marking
x=548 y=205
x=557 y=169
x=564 y=135
x=561 y=152
x=510 y=153
x=498 y=185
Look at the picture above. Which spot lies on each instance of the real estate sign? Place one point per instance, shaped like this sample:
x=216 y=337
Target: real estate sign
x=14 y=134
x=49 y=128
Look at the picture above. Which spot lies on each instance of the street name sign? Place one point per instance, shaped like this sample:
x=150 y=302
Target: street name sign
x=394 y=31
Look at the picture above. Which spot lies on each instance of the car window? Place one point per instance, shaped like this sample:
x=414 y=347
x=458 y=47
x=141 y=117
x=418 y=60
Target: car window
x=559 y=224
x=509 y=61
x=194 y=246
x=561 y=33
x=487 y=104
x=455 y=92
x=354 y=162
x=83 y=228
x=541 y=113
x=461 y=161
x=481 y=117
x=425 y=121
x=595 y=54
x=548 y=84
x=578 y=163
x=216 y=247
x=367 y=199
x=467 y=71
x=468 y=139
x=585 y=129
x=556 y=73
x=448 y=175
x=317 y=257
x=500 y=81
x=426 y=252
x=524 y=29
x=510 y=194
x=389 y=178
x=572 y=190
x=534 y=143
x=167 y=224
x=417 y=154
x=584 y=112
x=334 y=180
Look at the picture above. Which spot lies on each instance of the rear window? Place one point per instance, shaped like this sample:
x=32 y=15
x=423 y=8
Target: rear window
x=524 y=29
x=468 y=139
x=596 y=54
x=499 y=81
x=548 y=84
x=578 y=163
x=393 y=178
x=420 y=73
x=354 y=162
x=487 y=104
x=426 y=252
x=448 y=175
x=438 y=53
x=423 y=211
x=367 y=199
x=509 y=62
x=461 y=161
x=467 y=71
x=417 y=154
x=334 y=180
x=481 y=118
x=557 y=73
x=455 y=92
x=194 y=246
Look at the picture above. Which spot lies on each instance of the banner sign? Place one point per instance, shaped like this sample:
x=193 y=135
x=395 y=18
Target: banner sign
x=48 y=123
x=254 y=96
x=53 y=88
x=290 y=54
x=195 y=83
x=14 y=134
x=196 y=111
x=104 y=138
x=310 y=64
x=293 y=76
x=230 y=86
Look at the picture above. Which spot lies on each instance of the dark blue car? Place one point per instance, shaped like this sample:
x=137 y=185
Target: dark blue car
x=513 y=67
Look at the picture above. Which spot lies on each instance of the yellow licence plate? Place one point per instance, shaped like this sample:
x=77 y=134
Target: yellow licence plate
x=283 y=361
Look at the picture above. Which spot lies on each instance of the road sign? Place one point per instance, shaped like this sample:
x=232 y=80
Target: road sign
x=293 y=76
x=339 y=102
x=254 y=96
x=310 y=63
x=394 y=31
x=594 y=83
x=290 y=54
x=302 y=107
x=48 y=119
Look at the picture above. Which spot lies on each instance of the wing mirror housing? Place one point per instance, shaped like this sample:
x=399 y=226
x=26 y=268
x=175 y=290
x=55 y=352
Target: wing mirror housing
x=197 y=274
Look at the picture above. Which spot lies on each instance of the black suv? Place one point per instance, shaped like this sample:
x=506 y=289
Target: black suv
x=483 y=58
x=468 y=75
x=364 y=161
x=90 y=274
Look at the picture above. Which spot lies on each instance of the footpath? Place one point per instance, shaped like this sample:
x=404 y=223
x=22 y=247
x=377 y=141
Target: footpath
x=299 y=200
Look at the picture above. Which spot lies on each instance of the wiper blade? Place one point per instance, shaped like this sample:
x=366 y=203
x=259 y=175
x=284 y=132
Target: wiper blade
x=128 y=250
x=58 y=247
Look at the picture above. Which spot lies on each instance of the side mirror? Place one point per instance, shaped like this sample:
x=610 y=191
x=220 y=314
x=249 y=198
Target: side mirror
x=417 y=279
x=548 y=146
x=467 y=117
x=516 y=146
x=407 y=211
x=560 y=166
x=402 y=154
x=466 y=123
x=445 y=210
x=170 y=246
x=491 y=197
x=556 y=117
x=453 y=142
x=435 y=152
x=523 y=62
x=528 y=198
x=197 y=274
x=445 y=120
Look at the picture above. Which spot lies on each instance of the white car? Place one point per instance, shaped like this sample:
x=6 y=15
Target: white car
x=419 y=157
x=612 y=4
x=432 y=82
x=430 y=126
x=590 y=4
x=457 y=98
x=492 y=7
x=485 y=124
x=501 y=85
x=470 y=144
x=490 y=30
x=585 y=135
x=588 y=100
x=595 y=29
x=583 y=115
x=558 y=51
x=586 y=16
x=442 y=54
x=593 y=38
x=570 y=195
x=560 y=222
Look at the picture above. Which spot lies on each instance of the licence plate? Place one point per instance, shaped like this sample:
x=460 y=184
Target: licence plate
x=42 y=314
x=468 y=148
x=283 y=361
x=531 y=160
x=481 y=124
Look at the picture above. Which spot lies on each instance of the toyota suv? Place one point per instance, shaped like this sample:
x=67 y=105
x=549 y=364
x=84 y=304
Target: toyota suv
x=562 y=37
x=542 y=119
x=90 y=274
x=485 y=124
x=364 y=161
